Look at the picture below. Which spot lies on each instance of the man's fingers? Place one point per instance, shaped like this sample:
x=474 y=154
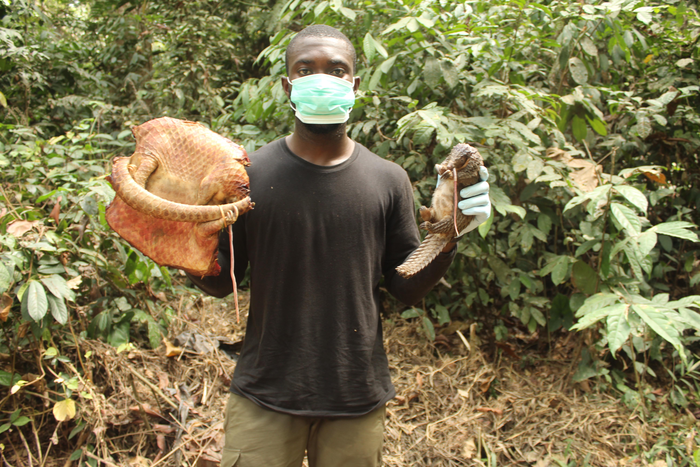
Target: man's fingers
x=483 y=173
x=478 y=188
x=478 y=201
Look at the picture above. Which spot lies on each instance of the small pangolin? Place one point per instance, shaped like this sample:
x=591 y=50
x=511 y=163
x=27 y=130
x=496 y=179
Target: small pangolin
x=443 y=220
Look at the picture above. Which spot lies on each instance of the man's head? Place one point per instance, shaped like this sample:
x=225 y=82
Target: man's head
x=318 y=31
x=325 y=59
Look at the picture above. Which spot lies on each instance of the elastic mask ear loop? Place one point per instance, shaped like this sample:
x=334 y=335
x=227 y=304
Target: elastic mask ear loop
x=291 y=104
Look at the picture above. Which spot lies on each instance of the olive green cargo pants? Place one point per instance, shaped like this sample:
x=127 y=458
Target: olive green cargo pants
x=257 y=437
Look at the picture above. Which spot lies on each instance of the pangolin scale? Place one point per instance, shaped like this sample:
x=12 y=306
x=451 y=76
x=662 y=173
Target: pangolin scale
x=442 y=220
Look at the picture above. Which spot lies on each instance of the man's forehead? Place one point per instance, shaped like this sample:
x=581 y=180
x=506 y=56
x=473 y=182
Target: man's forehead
x=308 y=47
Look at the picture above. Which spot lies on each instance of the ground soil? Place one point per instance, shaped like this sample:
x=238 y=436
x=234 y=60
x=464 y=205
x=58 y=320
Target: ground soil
x=461 y=400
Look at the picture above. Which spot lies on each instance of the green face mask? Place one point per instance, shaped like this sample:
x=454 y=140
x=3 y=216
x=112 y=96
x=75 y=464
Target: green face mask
x=322 y=98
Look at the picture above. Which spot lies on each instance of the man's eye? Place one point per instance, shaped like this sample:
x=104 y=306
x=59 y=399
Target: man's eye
x=338 y=72
x=304 y=72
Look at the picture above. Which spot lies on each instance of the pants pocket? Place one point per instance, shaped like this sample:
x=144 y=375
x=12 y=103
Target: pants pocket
x=229 y=457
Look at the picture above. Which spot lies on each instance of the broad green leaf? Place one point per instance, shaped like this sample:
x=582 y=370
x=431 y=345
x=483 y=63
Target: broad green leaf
x=634 y=260
x=598 y=125
x=449 y=72
x=584 y=277
x=155 y=334
x=589 y=46
x=398 y=25
x=348 y=13
x=378 y=47
x=429 y=328
x=558 y=268
x=595 y=302
x=594 y=315
x=37 y=303
x=578 y=70
x=374 y=80
x=575 y=201
x=58 y=287
x=626 y=219
x=617 y=326
x=387 y=64
x=368 y=47
x=5 y=278
x=634 y=196
x=678 y=229
x=432 y=72
x=21 y=421
x=320 y=8
x=443 y=315
x=499 y=268
x=411 y=313
x=519 y=210
x=521 y=161
x=8 y=379
x=3 y=100
x=538 y=316
x=486 y=226
x=646 y=242
x=58 y=309
x=643 y=126
x=578 y=126
x=690 y=317
x=659 y=322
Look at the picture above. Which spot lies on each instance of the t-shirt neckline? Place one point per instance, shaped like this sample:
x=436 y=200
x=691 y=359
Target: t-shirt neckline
x=316 y=167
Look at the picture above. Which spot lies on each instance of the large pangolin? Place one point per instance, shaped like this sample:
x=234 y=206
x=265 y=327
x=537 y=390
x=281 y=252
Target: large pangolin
x=443 y=220
x=180 y=187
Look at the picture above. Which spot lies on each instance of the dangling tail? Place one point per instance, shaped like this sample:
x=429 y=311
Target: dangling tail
x=427 y=251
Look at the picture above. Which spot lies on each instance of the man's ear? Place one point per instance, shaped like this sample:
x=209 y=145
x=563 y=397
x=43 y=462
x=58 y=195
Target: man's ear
x=286 y=85
x=356 y=84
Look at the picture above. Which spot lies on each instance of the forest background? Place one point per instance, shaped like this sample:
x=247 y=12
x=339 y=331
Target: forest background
x=586 y=113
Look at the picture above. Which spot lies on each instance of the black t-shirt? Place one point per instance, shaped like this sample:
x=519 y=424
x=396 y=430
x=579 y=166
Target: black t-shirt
x=318 y=243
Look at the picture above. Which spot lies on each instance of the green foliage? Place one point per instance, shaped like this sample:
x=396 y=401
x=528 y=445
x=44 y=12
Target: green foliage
x=586 y=114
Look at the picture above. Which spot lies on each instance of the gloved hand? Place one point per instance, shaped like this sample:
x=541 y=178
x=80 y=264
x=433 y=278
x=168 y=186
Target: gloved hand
x=475 y=201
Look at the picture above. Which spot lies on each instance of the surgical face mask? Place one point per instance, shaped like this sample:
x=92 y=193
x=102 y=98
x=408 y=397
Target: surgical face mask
x=322 y=99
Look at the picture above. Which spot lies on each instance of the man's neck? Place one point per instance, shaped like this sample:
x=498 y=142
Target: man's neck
x=324 y=149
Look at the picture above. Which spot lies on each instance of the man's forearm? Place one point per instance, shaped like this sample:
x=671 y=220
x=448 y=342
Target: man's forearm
x=413 y=289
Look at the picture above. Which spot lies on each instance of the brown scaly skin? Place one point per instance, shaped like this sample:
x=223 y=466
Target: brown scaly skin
x=440 y=218
x=182 y=185
x=181 y=171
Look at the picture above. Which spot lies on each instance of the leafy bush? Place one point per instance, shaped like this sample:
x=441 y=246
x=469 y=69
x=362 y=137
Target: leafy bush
x=586 y=115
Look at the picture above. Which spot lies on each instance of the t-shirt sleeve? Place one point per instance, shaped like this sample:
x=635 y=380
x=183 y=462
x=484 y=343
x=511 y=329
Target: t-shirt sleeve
x=402 y=239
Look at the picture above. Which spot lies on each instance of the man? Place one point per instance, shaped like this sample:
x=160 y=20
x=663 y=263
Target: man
x=331 y=219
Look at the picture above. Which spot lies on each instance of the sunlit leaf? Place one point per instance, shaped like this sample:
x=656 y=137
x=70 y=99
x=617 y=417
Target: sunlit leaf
x=678 y=229
x=659 y=322
x=578 y=70
x=626 y=219
x=579 y=128
x=618 y=328
x=64 y=410
x=634 y=196
x=36 y=301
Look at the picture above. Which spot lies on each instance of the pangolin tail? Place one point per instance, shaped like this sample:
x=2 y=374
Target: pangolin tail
x=426 y=252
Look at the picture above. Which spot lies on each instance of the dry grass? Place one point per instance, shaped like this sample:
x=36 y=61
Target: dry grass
x=455 y=406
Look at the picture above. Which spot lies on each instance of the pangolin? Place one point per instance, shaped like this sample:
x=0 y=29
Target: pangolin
x=182 y=185
x=443 y=220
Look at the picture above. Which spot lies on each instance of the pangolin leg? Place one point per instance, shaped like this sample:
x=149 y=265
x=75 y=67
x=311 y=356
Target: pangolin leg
x=147 y=166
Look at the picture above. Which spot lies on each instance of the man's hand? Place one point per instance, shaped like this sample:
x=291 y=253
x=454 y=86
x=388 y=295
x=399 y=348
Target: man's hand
x=475 y=201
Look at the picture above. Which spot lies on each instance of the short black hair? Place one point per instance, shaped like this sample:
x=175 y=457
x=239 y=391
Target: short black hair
x=319 y=30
